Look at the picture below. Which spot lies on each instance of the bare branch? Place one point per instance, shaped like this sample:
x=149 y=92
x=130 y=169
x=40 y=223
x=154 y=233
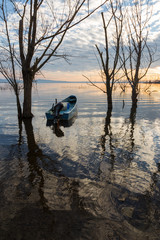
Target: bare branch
x=111 y=63
x=93 y=84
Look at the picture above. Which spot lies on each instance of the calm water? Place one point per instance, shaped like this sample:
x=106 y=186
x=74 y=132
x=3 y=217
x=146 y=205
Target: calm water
x=97 y=178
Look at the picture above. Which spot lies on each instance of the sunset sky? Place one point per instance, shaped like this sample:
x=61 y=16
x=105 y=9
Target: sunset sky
x=79 y=45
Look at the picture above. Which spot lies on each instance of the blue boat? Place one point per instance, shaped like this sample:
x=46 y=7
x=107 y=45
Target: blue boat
x=64 y=110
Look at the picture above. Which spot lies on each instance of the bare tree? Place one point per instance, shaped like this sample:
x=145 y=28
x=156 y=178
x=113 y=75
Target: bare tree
x=40 y=34
x=137 y=55
x=7 y=63
x=109 y=59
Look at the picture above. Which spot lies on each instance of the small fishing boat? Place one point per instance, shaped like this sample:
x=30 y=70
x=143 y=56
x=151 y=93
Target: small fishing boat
x=64 y=110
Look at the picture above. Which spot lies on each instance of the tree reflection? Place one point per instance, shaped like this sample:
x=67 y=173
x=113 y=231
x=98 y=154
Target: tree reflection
x=107 y=131
x=132 y=119
x=109 y=161
x=118 y=145
x=33 y=155
x=139 y=209
x=36 y=157
x=119 y=141
x=75 y=199
x=60 y=187
x=20 y=131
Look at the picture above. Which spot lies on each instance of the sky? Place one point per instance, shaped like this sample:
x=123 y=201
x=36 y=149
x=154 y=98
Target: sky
x=79 y=45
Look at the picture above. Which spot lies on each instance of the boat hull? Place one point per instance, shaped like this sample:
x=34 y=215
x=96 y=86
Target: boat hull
x=66 y=114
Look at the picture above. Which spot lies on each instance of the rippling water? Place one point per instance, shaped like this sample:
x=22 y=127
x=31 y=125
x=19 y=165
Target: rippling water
x=96 y=178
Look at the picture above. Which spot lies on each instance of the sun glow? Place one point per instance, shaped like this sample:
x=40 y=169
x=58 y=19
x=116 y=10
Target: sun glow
x=75 y=76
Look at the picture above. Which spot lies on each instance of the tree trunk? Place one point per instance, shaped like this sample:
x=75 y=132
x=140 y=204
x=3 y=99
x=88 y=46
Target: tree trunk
x=109 y=99
x=134 y=95
x=109 y=95
x=133 y=114
x=27 y=103
x=19 y=109
x=32 y=146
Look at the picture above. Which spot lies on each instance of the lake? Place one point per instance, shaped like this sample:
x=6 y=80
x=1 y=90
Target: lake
x=97 y=178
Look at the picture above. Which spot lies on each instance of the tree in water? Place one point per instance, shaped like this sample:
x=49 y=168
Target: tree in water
x=137 y=55
x=42 y=26
x=109 y=59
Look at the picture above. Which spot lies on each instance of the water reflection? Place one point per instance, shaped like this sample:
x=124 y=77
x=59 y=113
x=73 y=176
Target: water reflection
x=67 y=207
x=57 y=130
x=107 y=131
x=134 y=208
x=56 y=127
x=108 y=155
x=132 y=123
x=100 y=181
x=33 y=156
x=118 y=149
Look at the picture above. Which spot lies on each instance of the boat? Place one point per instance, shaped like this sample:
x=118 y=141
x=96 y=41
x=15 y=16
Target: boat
x=64 y=110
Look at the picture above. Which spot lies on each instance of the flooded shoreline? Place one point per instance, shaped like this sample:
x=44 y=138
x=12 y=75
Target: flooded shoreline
x=100 y=181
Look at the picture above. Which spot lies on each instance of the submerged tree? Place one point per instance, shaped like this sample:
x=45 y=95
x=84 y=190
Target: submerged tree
x=109 y=59
x=137 y=55
x=42 y=26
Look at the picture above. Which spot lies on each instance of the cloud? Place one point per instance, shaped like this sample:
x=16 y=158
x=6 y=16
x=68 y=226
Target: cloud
x=79 y=42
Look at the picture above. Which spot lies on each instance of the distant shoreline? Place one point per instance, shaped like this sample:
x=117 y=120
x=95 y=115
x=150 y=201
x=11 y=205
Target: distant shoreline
x=50 y=81
x=3 y=81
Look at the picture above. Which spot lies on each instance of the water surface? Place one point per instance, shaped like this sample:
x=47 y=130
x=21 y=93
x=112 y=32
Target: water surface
x=97 y=178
